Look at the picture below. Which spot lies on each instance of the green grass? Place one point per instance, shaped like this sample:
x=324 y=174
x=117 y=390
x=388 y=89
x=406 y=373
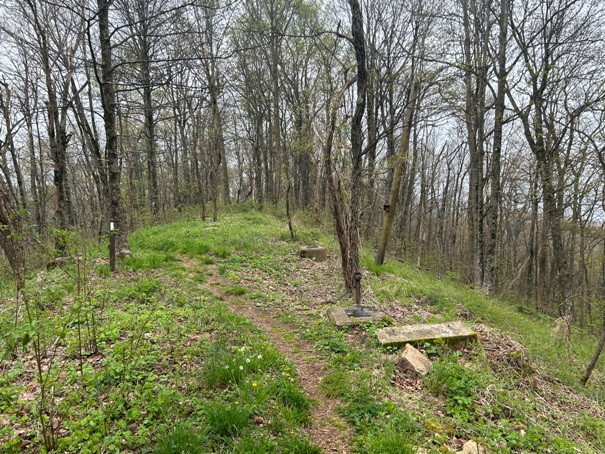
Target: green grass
x=149 y=361
x=336 y=384
x=457 y=383
x=137 y=364
x=237 y=290
x=226 y=421
x=181 y=440
x=397 y=436
x=445 y=296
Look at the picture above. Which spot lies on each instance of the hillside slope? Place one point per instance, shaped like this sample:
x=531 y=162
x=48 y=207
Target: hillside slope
x=214 y=322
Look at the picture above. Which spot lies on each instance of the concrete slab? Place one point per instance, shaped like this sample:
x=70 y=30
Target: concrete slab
x=317 y=253
x=450 y=333
x=340 y=317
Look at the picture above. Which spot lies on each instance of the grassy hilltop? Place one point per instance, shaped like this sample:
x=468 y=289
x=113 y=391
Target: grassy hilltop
x=213 y=338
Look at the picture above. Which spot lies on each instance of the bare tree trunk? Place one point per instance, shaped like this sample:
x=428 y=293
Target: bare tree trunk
x=352 y=218
x=35 y=183
x=57 y=134
x=595 y=358
x=108 y=98
x=400 y=167
x=11 y=240
x=475 y=80
x=10 y=236
x=276 y=119
x=334 y=190
x=150 y=145
x=490 y=277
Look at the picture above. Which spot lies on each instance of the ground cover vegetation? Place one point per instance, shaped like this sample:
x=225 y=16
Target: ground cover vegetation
x=162 y=356
x=447 y=141
x=141 y=361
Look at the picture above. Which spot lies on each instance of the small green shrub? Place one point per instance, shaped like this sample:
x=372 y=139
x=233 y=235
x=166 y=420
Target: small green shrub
x=298 y=445
x=251 y=444
x=227 y=420
x=351 y=360
x=182 y=440
x=334 y=345
x=336 y=384
x=235 y=290
x=361 y=410
x=456 y=383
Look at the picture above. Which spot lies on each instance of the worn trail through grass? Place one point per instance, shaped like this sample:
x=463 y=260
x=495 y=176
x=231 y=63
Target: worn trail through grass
x=327 y=429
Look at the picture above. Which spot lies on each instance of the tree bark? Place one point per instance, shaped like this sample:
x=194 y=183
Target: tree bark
x=400 y=167
x=490 y=277
x=595 y=357
x=358 y=41
x=108 y=98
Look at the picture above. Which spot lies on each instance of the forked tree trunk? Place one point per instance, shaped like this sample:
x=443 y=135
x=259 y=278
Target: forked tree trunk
x=400 y=167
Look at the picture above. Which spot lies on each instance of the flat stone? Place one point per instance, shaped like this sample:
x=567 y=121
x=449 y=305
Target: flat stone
x=340 y=317
x=413 y=363
x=317 y=253
x=450 y=332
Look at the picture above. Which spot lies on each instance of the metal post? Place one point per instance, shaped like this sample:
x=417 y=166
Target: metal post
x=112 y=247
x=357 y=278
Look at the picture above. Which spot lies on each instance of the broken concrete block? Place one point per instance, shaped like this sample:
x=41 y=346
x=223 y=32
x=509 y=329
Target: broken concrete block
x=472 y=447
x=449 y=332
x=413 y=363
x=317 y=253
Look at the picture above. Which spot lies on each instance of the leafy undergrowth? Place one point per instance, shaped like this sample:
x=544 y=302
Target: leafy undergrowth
x=175 y=371
x=139 y=362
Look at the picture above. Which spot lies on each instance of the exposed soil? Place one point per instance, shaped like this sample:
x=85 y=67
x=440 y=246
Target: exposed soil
x=327 y=430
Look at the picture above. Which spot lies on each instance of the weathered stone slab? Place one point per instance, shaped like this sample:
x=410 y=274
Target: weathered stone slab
x=317 y=253
x=450 y=332
x=340 y=317
x=413 y=363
